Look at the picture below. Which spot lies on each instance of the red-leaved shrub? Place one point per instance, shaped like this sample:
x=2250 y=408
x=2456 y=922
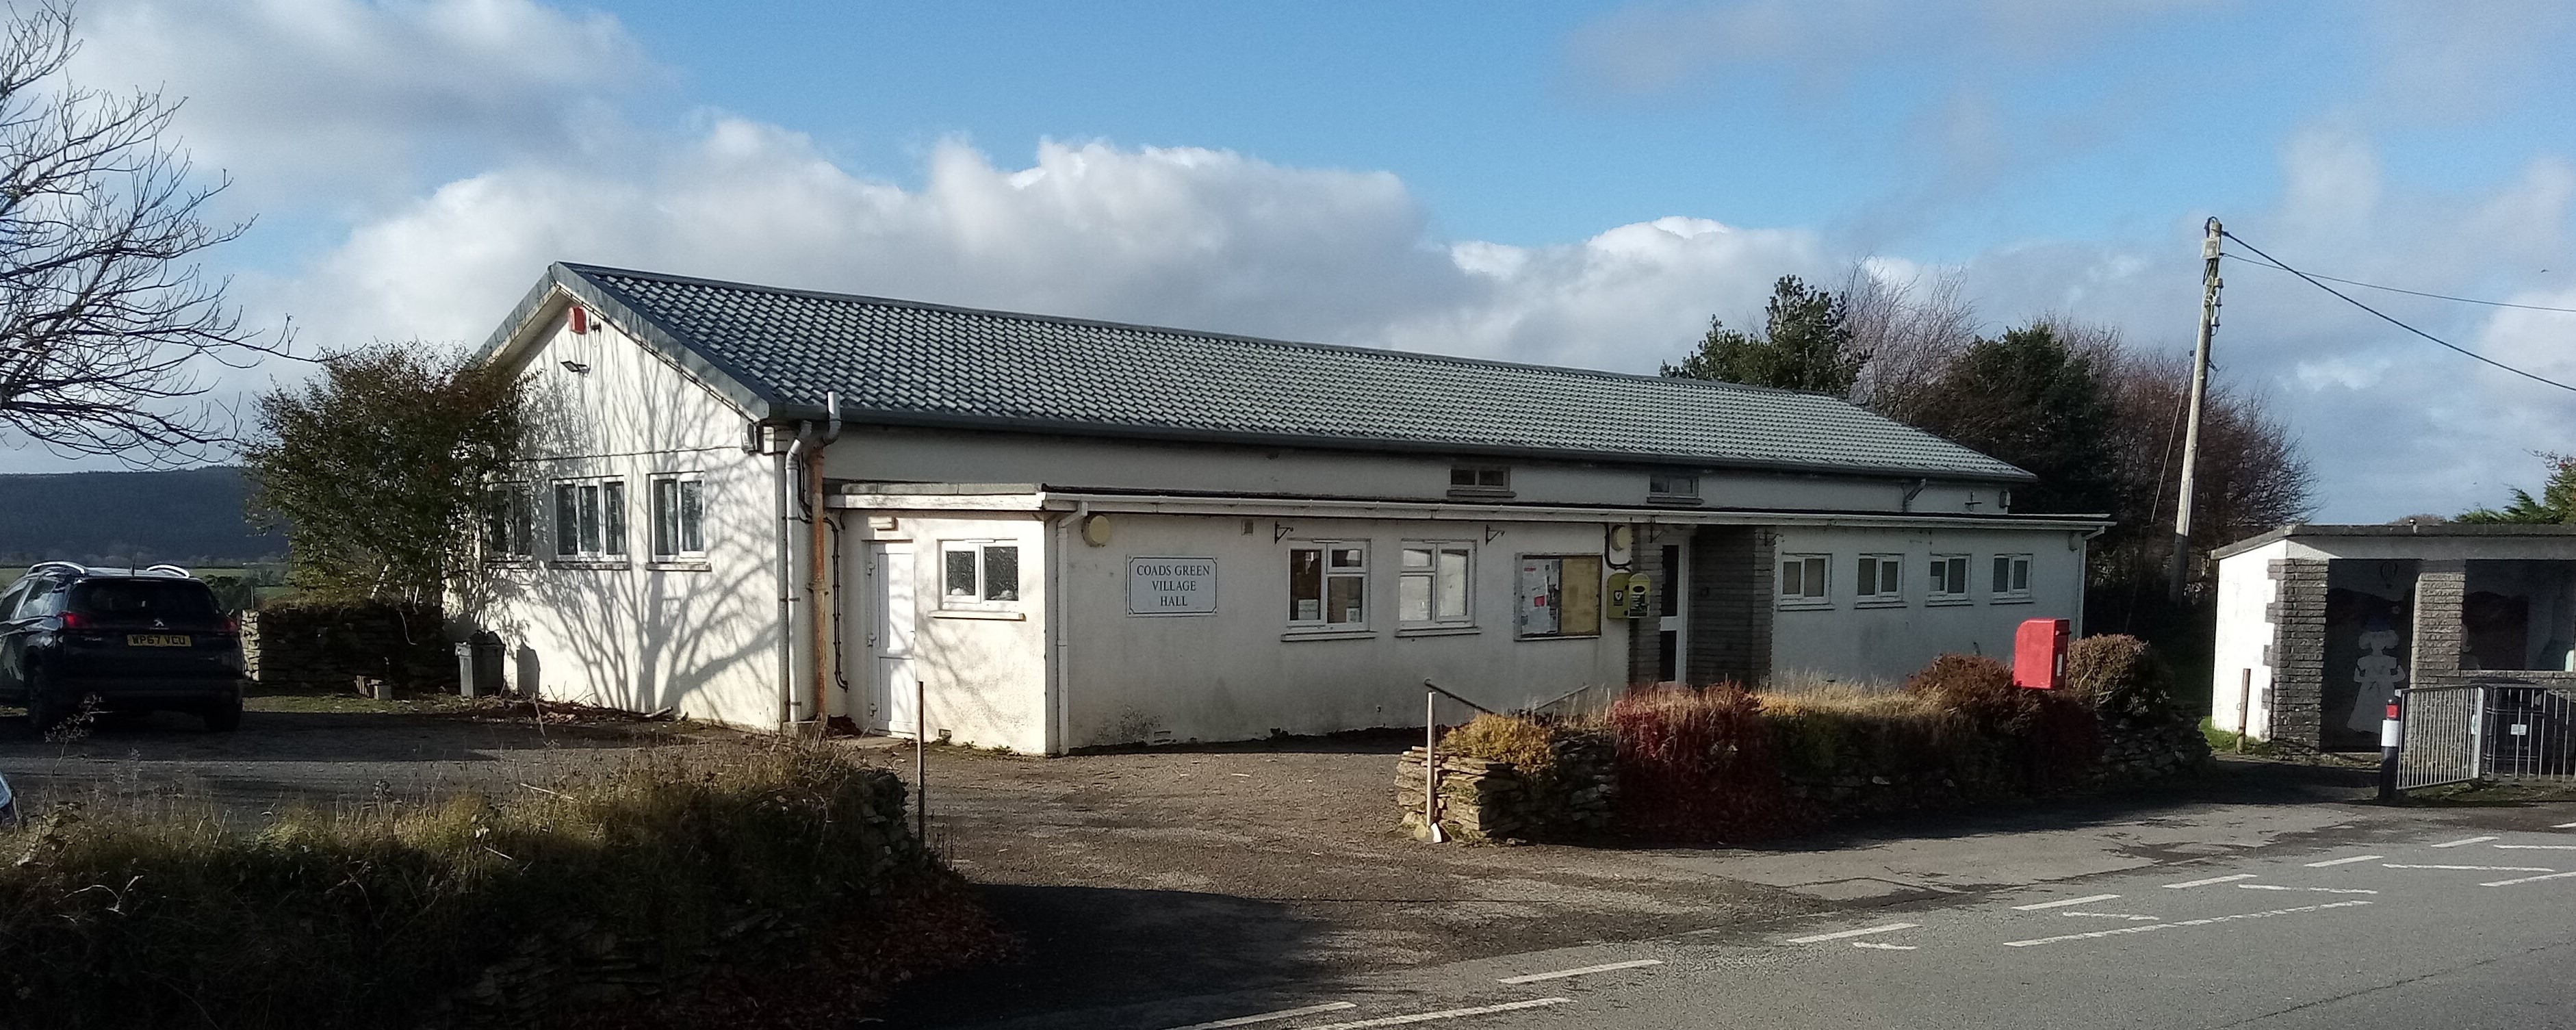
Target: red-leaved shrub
x=1696 y=764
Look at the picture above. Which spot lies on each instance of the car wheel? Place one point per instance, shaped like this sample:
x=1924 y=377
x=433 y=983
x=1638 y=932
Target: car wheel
x=223 y=716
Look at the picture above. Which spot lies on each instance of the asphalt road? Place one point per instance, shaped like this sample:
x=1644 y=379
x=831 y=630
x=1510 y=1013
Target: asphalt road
x=2441 y=919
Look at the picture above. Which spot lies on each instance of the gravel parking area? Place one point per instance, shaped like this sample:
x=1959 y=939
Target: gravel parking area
x=315 y=749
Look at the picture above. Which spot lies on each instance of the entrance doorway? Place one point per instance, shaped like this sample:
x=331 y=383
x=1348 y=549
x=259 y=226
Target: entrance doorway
x=1672 y=617
x=891 y=629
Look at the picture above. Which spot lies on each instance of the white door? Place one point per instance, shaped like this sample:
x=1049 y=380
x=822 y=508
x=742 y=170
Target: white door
x=890 y=635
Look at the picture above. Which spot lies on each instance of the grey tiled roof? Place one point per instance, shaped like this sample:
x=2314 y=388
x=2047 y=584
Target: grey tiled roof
x=910 y=363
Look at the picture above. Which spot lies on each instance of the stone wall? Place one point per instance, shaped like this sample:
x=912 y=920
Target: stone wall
x=334 y=646
x=2298 y=617
x=1483 y=800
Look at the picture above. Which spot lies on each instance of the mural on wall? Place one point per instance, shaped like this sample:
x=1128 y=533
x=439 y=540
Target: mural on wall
x=2369 y=633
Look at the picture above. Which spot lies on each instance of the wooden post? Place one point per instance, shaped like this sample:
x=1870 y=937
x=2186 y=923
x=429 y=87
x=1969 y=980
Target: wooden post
x=1431 y=767
x=2244 y=707
x=920 y=760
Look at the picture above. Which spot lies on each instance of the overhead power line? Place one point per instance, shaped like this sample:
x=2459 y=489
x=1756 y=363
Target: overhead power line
x=2385 y=317
x=2268 y=263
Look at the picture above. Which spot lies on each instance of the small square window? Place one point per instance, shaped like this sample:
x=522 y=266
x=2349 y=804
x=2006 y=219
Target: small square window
x=1949 y=577
x=509 y=521
x=590 y=519
x=1328 y=586
x=1432 y=585
x=679 y=517
x=1880 y=577
x=1803 y=578
x=978 y=574
x=2012 y=575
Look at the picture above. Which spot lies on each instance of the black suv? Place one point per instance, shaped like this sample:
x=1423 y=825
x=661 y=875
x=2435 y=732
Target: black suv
x=133 y=640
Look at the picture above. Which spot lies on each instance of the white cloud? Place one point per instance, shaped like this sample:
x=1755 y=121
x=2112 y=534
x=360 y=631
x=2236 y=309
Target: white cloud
x=295 y=95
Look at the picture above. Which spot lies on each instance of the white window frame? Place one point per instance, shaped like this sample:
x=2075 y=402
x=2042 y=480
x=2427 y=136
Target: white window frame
x=1521 y=600
x=1814 y=586
x=675 y=545
x=978 y=553
x=1430 y=579
x=1483 y=480
x=1879 y=579
x=1672 y=487
x=599 y=527
x=2012 y=577
x=1328 y=553
x=514 y=500
x=1945 y=579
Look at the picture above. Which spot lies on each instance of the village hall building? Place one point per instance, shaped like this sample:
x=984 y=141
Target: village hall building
x=771 y=507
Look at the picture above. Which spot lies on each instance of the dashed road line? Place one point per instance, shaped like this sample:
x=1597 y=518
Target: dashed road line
x=2526 y=879
x=2320 y=890
x=1425 y=1017
x=2473 y=868
x=2564 y=826
x=2086 y=900
x=2538 y=847
x=2130 y=916
x=2207 y=882
x=1889 y=928
x=1585 y=971
x=2463 y=841
x=2343 y=861
x=1264 y=1017
x=2153 y=927
x=1884 y=947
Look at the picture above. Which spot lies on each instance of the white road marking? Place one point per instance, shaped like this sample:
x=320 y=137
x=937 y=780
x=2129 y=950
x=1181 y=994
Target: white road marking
x=1883 y=947
x=2474 y=868
x=2564 y=826
x=2343 y=861
x=1425 y=1017
x=2464 y=840
x=2320 y=890
x=1330 y=1006
x=2526 y=879
x=2153 y=927
x=2538 y=847
x=1889 y=928
x=2130 y=916
x=2207 y=882
x=2089 y=899
x=1563 y=973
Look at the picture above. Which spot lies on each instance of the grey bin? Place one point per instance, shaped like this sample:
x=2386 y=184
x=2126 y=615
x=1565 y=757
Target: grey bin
x=478 y=665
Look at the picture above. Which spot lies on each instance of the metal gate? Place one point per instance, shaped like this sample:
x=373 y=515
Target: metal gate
x=2443 y=730
x=2505 y=730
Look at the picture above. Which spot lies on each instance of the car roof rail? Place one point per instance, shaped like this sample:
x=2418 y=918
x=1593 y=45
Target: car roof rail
x=169 y=570
x=75 y=568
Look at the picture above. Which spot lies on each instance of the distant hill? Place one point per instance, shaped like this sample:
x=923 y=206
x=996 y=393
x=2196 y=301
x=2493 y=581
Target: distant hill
x=192 y=516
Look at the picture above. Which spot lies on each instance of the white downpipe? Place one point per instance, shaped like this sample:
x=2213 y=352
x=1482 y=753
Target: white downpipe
x=787 y=466
x=1060 y=671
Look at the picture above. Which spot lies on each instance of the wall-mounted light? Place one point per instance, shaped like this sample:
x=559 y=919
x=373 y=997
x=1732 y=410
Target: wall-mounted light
x=575 y=367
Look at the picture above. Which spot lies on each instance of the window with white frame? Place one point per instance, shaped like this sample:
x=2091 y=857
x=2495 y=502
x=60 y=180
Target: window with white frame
x=1672 y=486
x=1803 y=579
x=509 y=522
x=590 y=518
x=2012 y=576
x=977 y=574
x=1949 y=578
x=1432 y=586
x=1560 y=596
x=679 y=517
x=1328 y=585
x=1879 y=577
x=1480 y=480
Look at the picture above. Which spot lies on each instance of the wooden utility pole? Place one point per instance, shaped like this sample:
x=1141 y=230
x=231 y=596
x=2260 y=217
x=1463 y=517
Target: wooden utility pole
x=2209 y=284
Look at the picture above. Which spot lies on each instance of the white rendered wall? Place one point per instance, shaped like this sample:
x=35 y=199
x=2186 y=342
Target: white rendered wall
x=2245 y=591
x=907 y=455
x=1232 y=676
x=698 y=637
x=982 y=667
x=1851 y=639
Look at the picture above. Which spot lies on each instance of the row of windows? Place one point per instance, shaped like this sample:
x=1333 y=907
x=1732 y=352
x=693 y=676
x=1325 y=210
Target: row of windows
x=1496 y=481
x=589 y=518
x=1807 y=579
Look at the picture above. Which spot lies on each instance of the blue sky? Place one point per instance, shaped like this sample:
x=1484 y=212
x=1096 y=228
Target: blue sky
x=1583 y=184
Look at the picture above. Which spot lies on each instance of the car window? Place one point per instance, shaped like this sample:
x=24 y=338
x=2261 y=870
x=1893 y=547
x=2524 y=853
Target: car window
x=144 y=599
x=30 y=597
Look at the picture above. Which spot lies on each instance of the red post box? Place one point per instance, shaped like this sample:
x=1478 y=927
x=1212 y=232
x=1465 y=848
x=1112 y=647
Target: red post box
x=2039 y=653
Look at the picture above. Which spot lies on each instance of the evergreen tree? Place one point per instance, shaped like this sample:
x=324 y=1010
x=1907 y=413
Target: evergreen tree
x=2556 y=504
x=1806 y=344
x=2029 y=399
